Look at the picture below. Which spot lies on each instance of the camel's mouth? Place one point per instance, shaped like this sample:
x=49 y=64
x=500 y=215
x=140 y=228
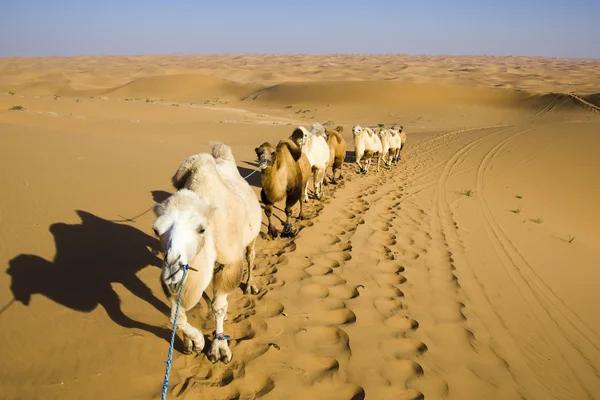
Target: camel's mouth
x=263 y=163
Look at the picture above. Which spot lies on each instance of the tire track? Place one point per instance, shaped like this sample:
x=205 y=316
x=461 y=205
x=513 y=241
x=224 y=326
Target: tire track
x=570 y=337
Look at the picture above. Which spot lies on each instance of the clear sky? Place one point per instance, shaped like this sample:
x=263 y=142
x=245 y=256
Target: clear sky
x=565 y=28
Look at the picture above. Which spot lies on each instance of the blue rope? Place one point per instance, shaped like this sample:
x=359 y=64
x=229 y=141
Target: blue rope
x=170 y=356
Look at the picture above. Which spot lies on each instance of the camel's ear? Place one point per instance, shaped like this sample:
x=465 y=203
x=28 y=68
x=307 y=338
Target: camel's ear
x=256 y=150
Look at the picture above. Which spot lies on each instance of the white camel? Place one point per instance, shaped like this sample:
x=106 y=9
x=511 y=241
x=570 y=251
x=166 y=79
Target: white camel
x=314 y=145
x=210 y=224
x=366 y=146
x=386 y=145
x=398 y=138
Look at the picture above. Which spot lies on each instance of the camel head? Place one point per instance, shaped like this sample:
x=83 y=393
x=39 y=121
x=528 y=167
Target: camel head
x=382 y=133
x=266 y=155
x=182 y=225
x=356 y=129
x=300 y=136
x=398 y=128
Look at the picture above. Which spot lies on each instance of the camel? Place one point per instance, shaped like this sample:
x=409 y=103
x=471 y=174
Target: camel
x=386 y=146
x=285 y=172
x=315 y=147
x=398 y=132
x=366 y=146
x=208 y=226
x=337 y=152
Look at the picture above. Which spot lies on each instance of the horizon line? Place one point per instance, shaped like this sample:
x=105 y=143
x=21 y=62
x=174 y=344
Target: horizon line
x=306 y=54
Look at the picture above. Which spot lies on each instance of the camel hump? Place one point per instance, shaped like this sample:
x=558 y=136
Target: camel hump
x=220 y=151
x=294 y=149
x=335 y=134
x=185 y=170
x=339 y=129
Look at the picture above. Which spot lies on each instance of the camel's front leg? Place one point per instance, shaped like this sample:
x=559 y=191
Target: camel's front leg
x=193 y=339
x=219 y=349
x=271 y=229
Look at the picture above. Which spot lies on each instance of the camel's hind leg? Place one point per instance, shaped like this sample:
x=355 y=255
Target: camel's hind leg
x=250 y=255
x=318 y=177
x=226 y=279
x=304 y=189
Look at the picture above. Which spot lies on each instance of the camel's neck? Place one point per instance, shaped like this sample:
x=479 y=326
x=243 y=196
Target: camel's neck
x=275 y=176
x=205 y=259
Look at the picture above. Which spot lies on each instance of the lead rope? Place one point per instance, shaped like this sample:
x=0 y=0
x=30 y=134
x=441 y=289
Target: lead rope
x=170 y=356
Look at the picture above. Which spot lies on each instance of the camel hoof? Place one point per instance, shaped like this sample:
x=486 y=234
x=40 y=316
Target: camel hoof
x=188 y=347
x=318 y=196
x=251 y=289
x=219 y=351
x=287 y=232
x=273 y=233
x=364 y=172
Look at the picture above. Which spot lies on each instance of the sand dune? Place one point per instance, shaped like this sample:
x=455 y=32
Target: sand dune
x=469 y=271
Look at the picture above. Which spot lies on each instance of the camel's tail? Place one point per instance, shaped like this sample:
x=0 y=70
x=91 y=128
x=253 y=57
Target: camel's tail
x=187 y=167
x=294 y=149
x=220 y=151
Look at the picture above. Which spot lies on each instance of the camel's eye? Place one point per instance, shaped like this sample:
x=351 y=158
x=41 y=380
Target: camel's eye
x=156 y=231
x=201 y=229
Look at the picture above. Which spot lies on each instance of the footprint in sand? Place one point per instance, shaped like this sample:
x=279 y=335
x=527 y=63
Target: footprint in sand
x=389 y=279
x=323 y=340
x=343 y=292
x=314 y=290
x=387 y=306
x=337 y=317
x=317 y=270
x=400 y=324
x=403 y=348
x=329 y=279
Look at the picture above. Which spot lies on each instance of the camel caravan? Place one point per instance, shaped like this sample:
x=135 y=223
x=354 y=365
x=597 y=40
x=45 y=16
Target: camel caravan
x=208 y=228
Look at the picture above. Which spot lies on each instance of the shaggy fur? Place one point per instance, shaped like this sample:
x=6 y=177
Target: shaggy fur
x=285 y=174
x=211 y=224
x=337 y=151
x=314 y=145
x=366 y=146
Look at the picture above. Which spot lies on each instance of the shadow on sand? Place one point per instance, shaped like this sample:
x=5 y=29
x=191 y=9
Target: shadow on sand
x=254 y=179
x=91 y=256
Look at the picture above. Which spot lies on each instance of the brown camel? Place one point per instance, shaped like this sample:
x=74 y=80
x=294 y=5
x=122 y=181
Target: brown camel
x=337 y=151
x=285 y=171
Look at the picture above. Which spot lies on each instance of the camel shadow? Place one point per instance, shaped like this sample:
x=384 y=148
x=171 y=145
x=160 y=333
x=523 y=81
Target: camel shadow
x=90 y=257
x=350 y=156
x=254 y=179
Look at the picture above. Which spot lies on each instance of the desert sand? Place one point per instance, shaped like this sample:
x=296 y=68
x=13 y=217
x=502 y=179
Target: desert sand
x=469 y=271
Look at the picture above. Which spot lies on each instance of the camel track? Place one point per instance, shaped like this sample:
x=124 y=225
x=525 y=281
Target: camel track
x=389 y=304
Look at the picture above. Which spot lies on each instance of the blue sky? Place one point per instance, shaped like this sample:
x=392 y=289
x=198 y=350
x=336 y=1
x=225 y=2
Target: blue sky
x=510 y=27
